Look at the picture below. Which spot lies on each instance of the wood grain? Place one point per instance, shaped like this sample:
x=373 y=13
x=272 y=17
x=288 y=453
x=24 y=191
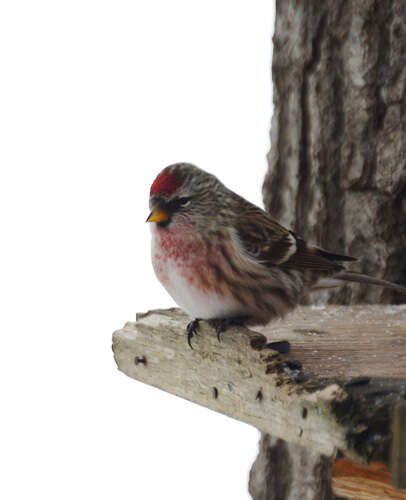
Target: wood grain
x=364 y=482
x=349 y=341
x=312 y=396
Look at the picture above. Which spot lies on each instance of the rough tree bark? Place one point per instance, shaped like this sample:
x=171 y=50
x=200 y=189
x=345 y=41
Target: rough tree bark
x=337 y=163
x=286 y=471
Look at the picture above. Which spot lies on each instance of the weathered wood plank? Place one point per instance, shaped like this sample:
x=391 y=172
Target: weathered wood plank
x=229 y=377
x=364 y=482
x=319 y=406
x=349 y=341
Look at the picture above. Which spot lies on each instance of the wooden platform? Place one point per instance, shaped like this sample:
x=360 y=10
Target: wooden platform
x=344 y=342
x=337 y=392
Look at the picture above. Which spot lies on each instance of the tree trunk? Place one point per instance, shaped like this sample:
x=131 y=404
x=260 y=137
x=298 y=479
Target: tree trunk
x=337 y=173
x=286 y=471
x=337 y=168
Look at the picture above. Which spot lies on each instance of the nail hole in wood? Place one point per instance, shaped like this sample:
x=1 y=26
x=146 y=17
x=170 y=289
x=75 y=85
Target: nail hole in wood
x=140 y=360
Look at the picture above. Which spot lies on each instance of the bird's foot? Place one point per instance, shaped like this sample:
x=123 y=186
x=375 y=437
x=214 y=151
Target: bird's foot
x=191 y=330
x=222 y=324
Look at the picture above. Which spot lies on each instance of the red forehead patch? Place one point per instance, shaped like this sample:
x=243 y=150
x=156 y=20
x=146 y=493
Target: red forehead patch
x=167 y=182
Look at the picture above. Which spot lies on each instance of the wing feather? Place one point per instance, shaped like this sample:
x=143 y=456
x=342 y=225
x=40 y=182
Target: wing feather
x=271 y=244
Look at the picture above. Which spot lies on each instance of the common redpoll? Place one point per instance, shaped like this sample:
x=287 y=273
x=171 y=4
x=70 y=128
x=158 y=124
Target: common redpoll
x=225 y=260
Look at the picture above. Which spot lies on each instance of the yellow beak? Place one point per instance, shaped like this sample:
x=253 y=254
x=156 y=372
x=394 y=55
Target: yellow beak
x=158 y=215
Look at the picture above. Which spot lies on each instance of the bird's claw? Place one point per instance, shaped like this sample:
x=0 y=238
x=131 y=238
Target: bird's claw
x=191 y=331
x=221 y=324
x=219 y=330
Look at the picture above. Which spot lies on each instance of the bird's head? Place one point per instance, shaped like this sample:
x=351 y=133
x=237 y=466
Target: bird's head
x=182 y=191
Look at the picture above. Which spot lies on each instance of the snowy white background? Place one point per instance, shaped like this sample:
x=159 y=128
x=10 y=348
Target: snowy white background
x=96 y=97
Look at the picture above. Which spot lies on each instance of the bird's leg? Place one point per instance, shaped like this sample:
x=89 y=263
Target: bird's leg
x=191 y=330
x=222 y=324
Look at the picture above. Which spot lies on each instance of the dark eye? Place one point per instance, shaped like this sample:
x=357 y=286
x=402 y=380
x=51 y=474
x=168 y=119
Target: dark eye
x=184 y=202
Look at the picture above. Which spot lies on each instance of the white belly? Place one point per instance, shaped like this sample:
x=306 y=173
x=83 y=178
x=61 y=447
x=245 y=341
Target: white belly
x=197 y=303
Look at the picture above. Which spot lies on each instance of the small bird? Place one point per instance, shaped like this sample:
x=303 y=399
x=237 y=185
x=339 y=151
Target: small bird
x=227 y=261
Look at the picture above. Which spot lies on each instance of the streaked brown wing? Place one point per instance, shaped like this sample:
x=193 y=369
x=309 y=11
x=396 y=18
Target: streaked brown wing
x=264 y=239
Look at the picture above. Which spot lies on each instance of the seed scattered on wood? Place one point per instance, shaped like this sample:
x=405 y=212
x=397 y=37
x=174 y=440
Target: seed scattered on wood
x=258 y=342
x=215 y=392
x=364 y=380
x=282 y=346
x=293 y=364
x=378 y=393
x=259 y=396
x=301 y=377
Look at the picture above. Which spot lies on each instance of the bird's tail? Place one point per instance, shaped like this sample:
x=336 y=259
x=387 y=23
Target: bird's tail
x=363 y=278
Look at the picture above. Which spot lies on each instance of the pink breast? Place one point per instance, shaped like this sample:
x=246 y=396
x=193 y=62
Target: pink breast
x=180 y=252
